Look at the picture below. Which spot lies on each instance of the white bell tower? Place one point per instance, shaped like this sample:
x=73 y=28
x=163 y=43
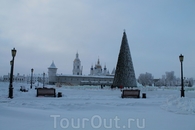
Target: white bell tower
x=77 y=68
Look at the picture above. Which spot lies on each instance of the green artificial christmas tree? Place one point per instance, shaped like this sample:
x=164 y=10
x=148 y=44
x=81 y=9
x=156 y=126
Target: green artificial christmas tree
x=124 y=74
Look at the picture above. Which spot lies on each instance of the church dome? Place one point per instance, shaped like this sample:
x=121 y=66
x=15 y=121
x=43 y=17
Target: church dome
x=98 y=66
x=76 y=60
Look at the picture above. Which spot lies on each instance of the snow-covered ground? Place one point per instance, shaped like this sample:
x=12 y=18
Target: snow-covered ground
x=89 y=107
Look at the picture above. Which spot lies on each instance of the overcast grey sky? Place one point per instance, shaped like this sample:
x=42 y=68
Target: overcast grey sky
x=158 y=31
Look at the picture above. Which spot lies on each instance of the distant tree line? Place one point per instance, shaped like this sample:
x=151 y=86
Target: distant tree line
x=169 y=79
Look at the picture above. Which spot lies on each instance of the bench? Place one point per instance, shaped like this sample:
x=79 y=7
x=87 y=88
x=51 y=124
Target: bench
x=23 y=89
x=46 y=92
x=132 y=93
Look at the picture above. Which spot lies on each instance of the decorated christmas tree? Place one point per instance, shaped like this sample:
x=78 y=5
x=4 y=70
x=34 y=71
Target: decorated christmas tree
x=124 y=74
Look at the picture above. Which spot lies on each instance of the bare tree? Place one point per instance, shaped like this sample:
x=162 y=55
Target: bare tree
x=190 y=82
x=146 y=79
x=170 y=79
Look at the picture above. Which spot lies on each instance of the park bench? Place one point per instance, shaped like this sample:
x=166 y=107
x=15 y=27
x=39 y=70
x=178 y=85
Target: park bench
x=131 y=93
x=46 y=92
x=23 y=89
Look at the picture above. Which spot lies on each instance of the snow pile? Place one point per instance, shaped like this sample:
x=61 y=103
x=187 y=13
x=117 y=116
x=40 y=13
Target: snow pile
x=180 y=105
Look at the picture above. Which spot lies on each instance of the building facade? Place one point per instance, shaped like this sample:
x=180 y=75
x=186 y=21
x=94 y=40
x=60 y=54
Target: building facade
x=97 y=76
x=16 y=78
x=84 y=80
x=27 y=79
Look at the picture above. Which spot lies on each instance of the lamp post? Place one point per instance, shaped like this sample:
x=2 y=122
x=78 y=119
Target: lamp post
x=13 y=51
x=38 y=81
x=43 y=79
x=181 y=58
x=31 y=77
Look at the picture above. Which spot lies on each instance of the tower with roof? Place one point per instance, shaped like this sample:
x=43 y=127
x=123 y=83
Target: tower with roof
x=77 y=68
x=52 y=71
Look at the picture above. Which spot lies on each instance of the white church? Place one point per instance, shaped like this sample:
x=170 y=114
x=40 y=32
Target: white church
x=96 y=70
x=97 y=76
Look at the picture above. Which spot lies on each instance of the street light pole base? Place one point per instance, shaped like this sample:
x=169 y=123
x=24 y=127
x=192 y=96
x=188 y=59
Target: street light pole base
x=182 y=93
x=10 y=92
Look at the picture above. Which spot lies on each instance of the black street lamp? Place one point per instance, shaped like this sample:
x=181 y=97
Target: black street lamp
x=181 y=58
x=11 y=73
x=43 y=79
x=31 y=77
